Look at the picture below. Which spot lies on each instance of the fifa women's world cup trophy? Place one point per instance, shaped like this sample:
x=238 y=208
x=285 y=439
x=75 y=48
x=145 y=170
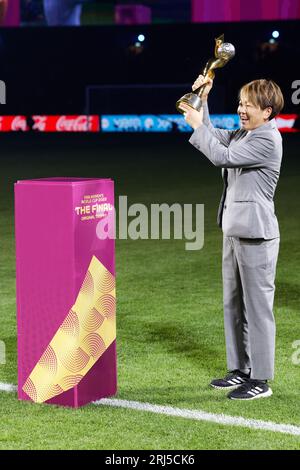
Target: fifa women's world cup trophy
x=224 y=51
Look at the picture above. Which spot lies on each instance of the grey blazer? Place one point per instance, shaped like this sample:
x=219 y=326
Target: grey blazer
x=250 y=165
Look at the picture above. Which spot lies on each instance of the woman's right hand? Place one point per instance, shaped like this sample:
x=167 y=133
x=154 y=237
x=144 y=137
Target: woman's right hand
x=200 y=81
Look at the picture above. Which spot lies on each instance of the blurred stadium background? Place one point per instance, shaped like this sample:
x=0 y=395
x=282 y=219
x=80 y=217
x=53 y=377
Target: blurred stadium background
x=91 y=88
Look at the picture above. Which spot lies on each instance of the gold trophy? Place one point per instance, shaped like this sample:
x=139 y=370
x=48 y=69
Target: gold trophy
x=224 y=51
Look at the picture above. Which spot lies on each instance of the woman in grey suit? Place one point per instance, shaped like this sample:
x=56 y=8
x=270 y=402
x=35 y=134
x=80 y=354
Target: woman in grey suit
x=250 y=159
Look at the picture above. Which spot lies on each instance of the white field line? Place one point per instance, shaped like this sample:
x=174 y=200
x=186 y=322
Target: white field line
x=7 y=387
x=199 y=415
x=196 y=415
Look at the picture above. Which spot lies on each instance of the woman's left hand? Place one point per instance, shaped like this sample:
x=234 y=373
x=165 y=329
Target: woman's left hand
x=193 y=118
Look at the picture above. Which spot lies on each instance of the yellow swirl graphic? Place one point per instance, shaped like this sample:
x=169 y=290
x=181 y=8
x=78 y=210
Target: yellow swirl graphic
x=30 y=389
x=85 y=334
x=93 y=320
x=105 y=283
x=70 y=325
x=88 y=286
x=49 y=361
x=74 y=360
x=94 y=345
x=70 y=381
x=106 y=304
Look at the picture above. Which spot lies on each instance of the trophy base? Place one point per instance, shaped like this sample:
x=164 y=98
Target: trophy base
x=192 y=100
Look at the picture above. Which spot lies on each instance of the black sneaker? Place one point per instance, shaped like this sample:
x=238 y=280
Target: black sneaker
x=251 y=390
x=231 y=381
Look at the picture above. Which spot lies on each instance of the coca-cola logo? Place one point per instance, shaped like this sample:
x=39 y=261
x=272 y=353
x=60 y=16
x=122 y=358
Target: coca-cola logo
x=40 y=123
x=54 y=123
x=76 y=124
x=19 y=124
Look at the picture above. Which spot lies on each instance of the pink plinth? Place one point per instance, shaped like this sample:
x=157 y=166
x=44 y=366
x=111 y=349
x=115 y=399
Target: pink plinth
x=54 y=247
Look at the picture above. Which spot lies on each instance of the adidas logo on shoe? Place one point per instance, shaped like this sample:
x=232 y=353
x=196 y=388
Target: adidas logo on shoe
x=251 y=390
x=231 y=381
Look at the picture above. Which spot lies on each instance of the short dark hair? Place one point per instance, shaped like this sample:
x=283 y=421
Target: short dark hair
x=264 y=93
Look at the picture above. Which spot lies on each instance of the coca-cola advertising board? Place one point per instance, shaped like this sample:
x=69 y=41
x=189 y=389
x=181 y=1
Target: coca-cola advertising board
x=42 y=123
x=76 y=123
x=128 y=123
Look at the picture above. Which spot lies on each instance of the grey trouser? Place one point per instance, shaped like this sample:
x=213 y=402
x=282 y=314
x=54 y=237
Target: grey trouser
x=249 y=267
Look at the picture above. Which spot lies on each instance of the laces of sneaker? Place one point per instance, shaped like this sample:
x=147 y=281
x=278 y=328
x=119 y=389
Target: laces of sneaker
x=245 y=387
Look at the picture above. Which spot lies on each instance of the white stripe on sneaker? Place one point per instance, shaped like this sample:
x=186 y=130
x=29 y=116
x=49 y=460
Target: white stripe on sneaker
x=236 y=381
x=268 y=393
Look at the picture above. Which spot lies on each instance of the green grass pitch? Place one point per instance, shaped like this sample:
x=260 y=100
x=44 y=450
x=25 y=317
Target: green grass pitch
x=170 y=336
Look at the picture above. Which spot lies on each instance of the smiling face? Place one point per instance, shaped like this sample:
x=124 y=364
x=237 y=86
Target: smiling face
x=251 y=115
x=260 y=101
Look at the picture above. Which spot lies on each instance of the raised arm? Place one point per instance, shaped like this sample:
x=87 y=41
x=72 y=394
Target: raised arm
x=222 y=135
x=254 y=151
